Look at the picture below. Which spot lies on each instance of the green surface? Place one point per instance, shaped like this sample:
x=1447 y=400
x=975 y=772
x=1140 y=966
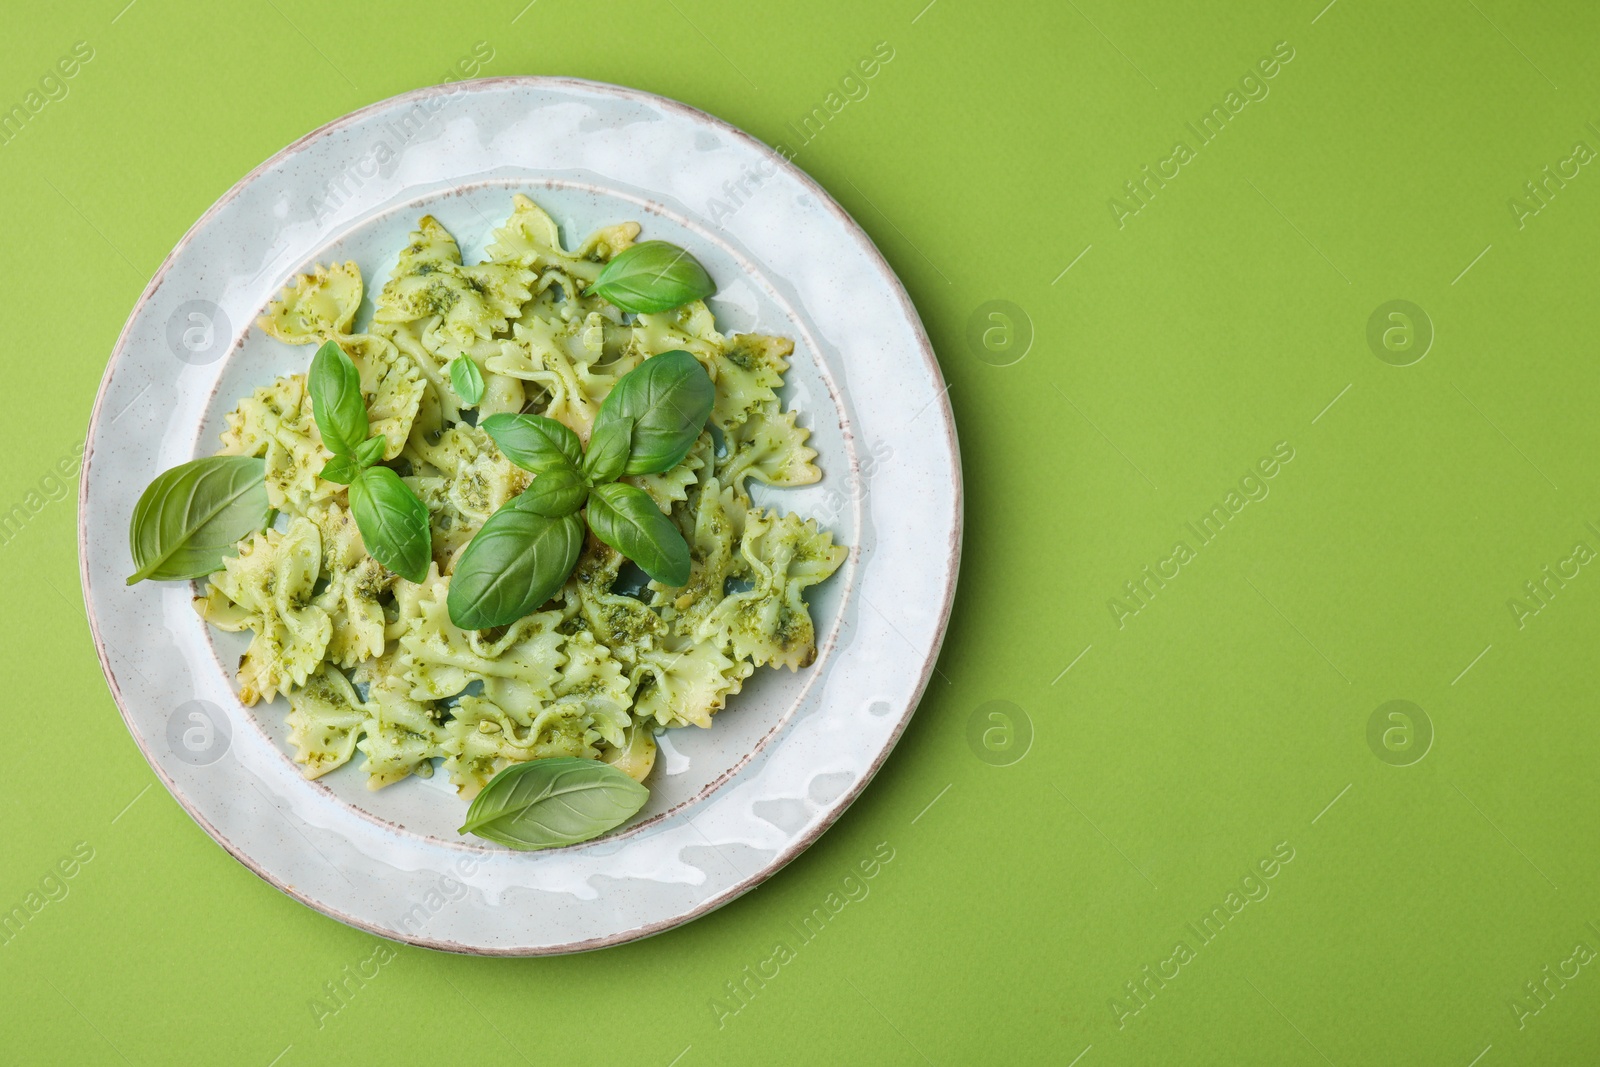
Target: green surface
x=1226 y=718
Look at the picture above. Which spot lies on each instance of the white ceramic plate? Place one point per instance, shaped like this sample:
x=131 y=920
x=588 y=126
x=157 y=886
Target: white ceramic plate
x=729 y=805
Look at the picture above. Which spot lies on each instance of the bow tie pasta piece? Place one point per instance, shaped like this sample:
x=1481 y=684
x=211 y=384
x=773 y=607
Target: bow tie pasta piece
x=440 y=660
x=482 y=484
x=501 y=392
x=448 y=451
x=623 y=623
x=769 y=447
x=672 y=486
x=391 y=383
x=748 y=371
x=484 y=737
x=564 y=358
x=267 y=588
x=315 y=306
x=590 y=674
x=718 y=525
x=407 y=612
x=276 y=423
x=473 y=481
x=354 y=584
x=637 y=755
x=450 y=530
x=402 y=735
x=770 y=622
x=688 y=686
x=530 y=238
x=326 y=719
x=431 y=246
x=430 y=280
x=401 y=740
x=691 y=328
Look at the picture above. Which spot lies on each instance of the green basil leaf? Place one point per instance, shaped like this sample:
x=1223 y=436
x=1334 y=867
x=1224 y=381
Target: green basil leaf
x=546 y=803
x=669 y=398
x=467 y=379
x=191 y=517
x=653 y=276
x=534 y=442
x=341 y=469
x=517 y=561
x=393 y=522
x=344 y=468
x=555 y=494
x=609 y=445
x=629 y=521
x=336 y=401
x=371 y=451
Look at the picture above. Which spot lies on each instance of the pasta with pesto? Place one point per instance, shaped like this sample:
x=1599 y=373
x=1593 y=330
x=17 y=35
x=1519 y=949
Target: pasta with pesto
x=371 y=663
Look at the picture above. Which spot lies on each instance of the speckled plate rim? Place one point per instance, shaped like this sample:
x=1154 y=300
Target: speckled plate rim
x=834 y=808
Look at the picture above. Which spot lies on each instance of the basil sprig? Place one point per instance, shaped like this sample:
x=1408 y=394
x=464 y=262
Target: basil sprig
x=546 y=803
x=466 y=379
x=191 y=517
x=523 y=554
x=344 y=469
x=393 y=522
x=653 y=276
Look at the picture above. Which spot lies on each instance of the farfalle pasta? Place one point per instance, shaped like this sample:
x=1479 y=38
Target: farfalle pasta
x=374 y=670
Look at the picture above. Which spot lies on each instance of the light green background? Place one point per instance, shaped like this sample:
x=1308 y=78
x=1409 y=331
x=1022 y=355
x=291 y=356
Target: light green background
x=1220 y=721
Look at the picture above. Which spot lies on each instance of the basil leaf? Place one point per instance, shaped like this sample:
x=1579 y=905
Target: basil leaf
x=517 y=561
x=653 y=276
x=336 y=401
x=371 y=450
x=629 y=521
x=467 y=379
x=669 y=398
x=341 y=469
x=609 y=445
x=534 y=442
x=344 y=468
x=545 y=803
x=555 y=494
x=193 y=515
x=393 y=522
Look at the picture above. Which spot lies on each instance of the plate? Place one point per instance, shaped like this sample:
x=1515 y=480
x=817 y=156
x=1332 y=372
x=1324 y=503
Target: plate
x=729 y=805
